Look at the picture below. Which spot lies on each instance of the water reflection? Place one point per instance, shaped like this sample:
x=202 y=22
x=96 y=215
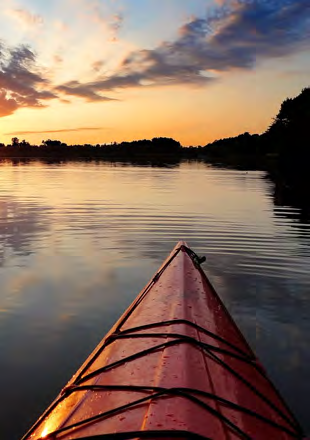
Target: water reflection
x=79 y=240
x=20 y=223
x=294 y=197
x=134 y=162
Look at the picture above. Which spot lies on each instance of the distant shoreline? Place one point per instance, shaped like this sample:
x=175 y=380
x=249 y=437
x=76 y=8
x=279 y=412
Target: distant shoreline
x=283 y=150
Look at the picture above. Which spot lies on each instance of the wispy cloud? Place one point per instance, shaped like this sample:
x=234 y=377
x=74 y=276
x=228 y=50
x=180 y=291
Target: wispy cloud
x=112 y=23
x=25 y=17
x=75 y=88
x=97 y=65
x=116 y=24
x=63 y=130
x=237 y=34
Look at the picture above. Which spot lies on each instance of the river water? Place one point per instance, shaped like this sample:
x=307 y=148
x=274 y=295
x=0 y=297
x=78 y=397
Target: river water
x=80 y=240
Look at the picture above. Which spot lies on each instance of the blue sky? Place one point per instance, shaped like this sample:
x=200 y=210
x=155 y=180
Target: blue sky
x=110 y=62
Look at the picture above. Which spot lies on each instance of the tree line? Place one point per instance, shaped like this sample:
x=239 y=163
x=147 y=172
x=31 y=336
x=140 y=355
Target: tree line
x=287 y=138
x=283 y=147
x=156 y=147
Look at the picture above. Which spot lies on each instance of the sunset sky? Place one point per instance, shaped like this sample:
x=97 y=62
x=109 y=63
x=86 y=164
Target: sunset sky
x=99 y=71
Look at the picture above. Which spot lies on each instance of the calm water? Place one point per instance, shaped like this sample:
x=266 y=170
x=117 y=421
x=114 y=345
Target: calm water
x=79 y=240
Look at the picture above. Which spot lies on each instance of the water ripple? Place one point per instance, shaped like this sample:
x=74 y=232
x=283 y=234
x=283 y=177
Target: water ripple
x=78 y=241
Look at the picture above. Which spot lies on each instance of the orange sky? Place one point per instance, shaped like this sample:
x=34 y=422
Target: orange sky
x=95 y=72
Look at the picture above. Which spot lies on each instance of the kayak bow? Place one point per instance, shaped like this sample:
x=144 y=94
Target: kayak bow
x=175 y=365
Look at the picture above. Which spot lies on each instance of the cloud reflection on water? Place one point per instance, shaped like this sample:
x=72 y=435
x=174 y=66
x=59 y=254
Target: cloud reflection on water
x=87 y=238
x=20 y=224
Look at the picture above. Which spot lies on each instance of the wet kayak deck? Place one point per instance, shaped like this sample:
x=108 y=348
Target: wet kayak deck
x=175 y=365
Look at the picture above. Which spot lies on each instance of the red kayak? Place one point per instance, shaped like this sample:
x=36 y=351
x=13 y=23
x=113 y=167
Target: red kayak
x=175 y=365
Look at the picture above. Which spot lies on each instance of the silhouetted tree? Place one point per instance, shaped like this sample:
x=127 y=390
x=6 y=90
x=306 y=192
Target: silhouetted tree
x=292 y=125
x=24 y=143
x=52 y=143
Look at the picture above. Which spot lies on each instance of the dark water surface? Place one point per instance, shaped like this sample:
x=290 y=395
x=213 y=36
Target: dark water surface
x=79 y=240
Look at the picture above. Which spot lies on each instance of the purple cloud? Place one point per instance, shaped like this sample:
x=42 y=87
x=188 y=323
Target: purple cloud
x=236 y=34
x=21 y=84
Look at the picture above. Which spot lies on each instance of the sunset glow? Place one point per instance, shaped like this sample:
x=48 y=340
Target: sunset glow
x=102 y=71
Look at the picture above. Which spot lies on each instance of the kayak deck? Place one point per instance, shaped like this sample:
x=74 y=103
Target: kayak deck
x=175 y=365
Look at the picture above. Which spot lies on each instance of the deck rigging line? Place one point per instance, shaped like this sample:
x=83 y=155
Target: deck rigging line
x=155 y=393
